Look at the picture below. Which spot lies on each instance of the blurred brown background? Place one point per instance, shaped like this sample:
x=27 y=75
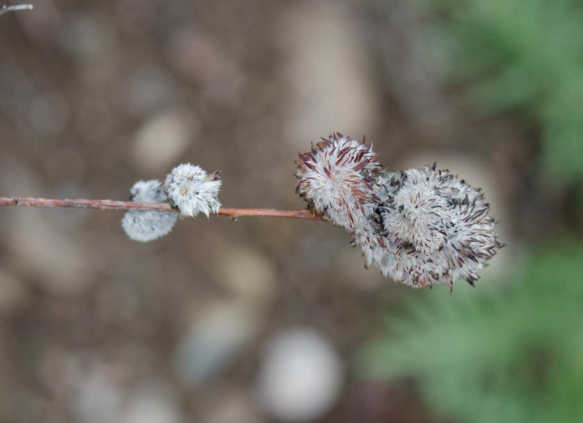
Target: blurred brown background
x=95 y=95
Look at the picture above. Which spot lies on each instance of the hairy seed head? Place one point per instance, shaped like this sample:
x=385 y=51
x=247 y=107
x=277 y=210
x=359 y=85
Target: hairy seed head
x=335 y=178
x=435 y=227
x=192 y=190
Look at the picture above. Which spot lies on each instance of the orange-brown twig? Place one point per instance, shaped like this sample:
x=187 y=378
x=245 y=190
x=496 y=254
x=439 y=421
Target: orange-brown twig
x=130 y=205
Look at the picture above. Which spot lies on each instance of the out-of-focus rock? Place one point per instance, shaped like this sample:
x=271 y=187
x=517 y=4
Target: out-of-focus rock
x=405 y=54
x=248 y=274
x=201 y=59
x=44 y=249
x=148 y=89
x=13 y=294
x=301 y=376
x=93 y=42
x=43 y=25
x=327 y=72
x=40 y=243
x=99 y=398
x=151 y=405
x=62 y=373
x=352 y=271
x=232 y=407
x=17 y=177
x=138 y=18
x=162 y=139
x=217 y=334
x=49 y=114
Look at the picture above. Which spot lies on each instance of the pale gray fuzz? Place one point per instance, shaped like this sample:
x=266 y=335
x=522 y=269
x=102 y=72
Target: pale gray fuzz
x=432 y=227
x=148 y=225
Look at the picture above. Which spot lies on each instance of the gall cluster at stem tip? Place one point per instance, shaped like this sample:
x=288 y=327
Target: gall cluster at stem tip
x=187 y=188
x=420 y=226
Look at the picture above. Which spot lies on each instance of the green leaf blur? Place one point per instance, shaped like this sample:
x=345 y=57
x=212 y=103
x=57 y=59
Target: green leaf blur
x=506 y=352
x=526 y=56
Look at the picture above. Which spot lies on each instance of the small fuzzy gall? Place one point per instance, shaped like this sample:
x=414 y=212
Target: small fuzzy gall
x=335 y=178
x=420 y=227
x=148 y=225
x=192 y=190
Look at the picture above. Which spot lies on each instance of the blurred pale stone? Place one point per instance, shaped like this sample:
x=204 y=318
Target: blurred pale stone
x=217 y=334
x=408 y=54
x=13 y=294
x=44 y=24
x=45 y=249
x=231 y=407
x=88 y=37
x=301 y=376
x=49 y=114
x=148 y=89
x=330 y=87
x=61 y=372
x=99 y=398
x=350 y=265
x=138 y=17
x=198 y=57
x=247 y=273
x=17 y=177
x=162 y=139
x=151 y=405
x=72 y=182
x=92 y=40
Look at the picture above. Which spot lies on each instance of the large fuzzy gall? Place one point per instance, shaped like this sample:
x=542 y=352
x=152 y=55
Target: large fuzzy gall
x=420 y=227
x=436 y=228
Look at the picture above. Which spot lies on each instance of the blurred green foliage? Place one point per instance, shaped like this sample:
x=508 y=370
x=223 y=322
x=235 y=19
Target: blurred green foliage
x=501 y=352
x=507 y=352
x=527 y=56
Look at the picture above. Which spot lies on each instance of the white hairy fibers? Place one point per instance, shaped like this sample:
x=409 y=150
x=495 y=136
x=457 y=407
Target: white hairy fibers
x=148 y=225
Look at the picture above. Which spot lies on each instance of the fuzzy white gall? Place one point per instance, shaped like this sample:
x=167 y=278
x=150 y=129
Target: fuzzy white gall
x=420 y=227
x=148 y=225
x=335 y=178
x=192 y=190
x=435 y=228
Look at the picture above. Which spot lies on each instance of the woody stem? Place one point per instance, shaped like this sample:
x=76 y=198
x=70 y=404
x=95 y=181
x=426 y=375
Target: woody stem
x=130 y=205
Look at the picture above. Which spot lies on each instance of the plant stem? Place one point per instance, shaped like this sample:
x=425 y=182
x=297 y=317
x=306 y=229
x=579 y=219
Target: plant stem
x=130 y=205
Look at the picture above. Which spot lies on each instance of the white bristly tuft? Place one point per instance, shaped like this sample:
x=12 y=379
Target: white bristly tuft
x=335 y=179
x=192 y=190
